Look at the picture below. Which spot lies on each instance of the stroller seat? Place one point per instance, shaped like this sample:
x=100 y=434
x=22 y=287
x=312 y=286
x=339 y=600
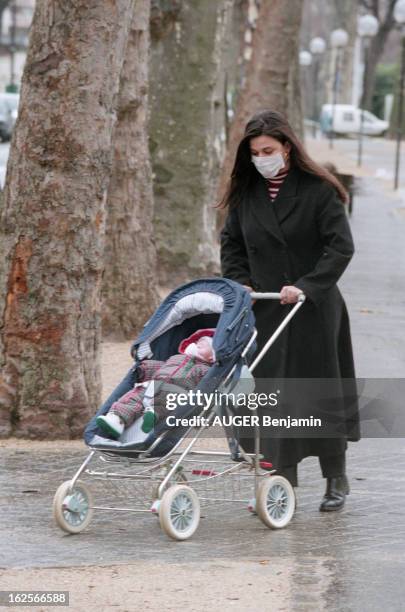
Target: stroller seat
x=217 y=303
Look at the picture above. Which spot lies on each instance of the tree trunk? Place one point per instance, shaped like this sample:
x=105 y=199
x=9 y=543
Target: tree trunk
x=376 y=49
x=294 y=108
x=375 y=52
x=129 y=282
x=345 y=17
x=188 y=132
x=53 y=217
x=271 y=76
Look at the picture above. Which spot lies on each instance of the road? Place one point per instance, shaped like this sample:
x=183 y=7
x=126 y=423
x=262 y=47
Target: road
x=378 y=156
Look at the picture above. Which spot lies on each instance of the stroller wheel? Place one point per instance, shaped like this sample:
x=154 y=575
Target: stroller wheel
x=179 y=512
x=72 y=510
x=275 y=503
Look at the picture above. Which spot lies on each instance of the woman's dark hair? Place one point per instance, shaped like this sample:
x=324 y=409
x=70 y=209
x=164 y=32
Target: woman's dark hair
x=271 y=123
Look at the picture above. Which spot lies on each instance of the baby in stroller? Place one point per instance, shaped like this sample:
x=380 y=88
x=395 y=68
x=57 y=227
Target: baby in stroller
x=182 y=371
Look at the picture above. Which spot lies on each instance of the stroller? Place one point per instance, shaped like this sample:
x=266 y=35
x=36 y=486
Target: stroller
x=167 y=475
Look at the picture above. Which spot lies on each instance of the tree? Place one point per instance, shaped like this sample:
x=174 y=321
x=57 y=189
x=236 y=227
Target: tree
x=387 y=77
x=271 y=74
x=192 y=42
x=129 y=283
x=383 y=10
x=53 y=217
x=343 y=16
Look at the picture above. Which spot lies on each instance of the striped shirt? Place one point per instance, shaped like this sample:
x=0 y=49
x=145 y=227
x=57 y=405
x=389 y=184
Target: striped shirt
x=275 y=183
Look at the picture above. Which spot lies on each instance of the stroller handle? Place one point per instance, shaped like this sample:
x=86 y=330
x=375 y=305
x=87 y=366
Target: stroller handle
x=272 y=296
x=283 y=324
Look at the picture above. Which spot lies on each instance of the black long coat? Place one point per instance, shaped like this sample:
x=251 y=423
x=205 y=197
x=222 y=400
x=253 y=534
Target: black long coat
x=302 y=238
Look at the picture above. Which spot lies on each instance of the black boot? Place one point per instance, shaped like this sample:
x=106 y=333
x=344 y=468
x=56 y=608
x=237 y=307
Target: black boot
x=335 y=494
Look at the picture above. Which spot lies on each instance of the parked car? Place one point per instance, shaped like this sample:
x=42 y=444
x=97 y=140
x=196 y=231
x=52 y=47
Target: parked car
x=8 y=114
x=347 y=120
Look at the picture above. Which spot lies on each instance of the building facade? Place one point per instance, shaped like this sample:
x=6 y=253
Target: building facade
x=15 y=21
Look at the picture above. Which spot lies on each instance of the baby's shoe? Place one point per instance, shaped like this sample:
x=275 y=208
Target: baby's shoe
x=111 y=424
x=149 y=420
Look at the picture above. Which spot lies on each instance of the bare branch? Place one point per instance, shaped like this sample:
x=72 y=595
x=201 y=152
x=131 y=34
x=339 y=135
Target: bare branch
x=388 y=21
x=390 y=9
x=370 y=5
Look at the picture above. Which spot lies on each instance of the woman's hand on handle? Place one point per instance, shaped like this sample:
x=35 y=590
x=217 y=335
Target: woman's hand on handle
x=289 y=294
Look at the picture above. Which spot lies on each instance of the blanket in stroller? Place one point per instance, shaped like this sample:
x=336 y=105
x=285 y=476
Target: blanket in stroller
x=206 y=303
x=157 y=379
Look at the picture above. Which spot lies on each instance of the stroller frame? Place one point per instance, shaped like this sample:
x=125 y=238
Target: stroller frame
x=172 y=475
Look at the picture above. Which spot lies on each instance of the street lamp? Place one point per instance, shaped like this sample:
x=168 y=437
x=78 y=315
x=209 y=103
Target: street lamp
x=367 y=28
x=399 y=16
x=317 y=47
x=338 y=40
x=12 y=48
x=305 y=60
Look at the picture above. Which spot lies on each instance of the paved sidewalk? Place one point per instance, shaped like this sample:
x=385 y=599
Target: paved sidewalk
x=374 y=283
x=353 y=560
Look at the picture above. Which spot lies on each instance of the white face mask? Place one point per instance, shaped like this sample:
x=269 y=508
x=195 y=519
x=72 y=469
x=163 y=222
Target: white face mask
x=270 y=165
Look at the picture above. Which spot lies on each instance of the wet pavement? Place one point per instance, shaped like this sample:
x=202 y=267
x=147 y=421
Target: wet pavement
x=354 y=555
x=378 y=156
x=352 y=560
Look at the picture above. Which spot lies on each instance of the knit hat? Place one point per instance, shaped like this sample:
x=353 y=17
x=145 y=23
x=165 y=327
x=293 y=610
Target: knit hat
x=209 y=332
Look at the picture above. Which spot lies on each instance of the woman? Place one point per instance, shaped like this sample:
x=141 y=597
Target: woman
x=287 y=231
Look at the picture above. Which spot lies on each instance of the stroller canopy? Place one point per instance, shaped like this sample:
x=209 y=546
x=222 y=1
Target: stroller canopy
x=209 y=302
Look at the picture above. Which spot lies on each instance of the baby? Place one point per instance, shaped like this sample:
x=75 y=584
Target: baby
x=155 y=379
